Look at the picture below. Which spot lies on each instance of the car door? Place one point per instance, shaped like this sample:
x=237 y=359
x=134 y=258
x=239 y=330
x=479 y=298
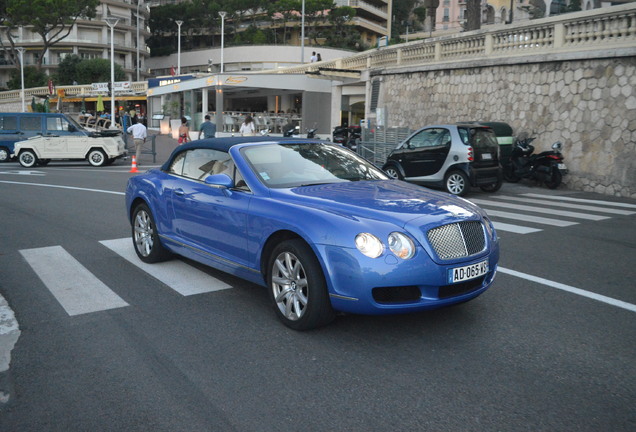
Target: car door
x=66 y=144
x=211 y=219
x=425 y=152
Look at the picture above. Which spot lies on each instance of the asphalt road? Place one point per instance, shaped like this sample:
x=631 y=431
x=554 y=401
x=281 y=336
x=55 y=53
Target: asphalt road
x=550 y=347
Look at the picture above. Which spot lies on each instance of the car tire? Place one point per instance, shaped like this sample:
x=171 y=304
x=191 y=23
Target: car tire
x=297 y=286
x=456 y=183
x=27 y=159
x=146 y=238
x=393 y=172
x=4 y=154
x=493 y=187
x=97 y=157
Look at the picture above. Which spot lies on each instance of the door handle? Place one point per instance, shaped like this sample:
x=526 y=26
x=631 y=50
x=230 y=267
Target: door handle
x=179 y=192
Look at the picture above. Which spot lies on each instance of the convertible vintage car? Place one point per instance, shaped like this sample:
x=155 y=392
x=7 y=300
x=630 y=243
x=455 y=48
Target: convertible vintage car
x=323 y=229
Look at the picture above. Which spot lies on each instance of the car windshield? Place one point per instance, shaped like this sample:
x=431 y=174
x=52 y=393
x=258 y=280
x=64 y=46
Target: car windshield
x=292 y=165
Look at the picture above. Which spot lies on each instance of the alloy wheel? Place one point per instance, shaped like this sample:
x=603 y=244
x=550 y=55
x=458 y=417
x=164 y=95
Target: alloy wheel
x=143 y=233
x=289 y=285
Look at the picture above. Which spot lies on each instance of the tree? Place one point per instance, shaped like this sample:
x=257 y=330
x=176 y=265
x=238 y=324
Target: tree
x=53 y=20
x=340 y=34
x=473 y=15
x=315 y=11
x=33 y=77
x=285 y=11
x=86 y=71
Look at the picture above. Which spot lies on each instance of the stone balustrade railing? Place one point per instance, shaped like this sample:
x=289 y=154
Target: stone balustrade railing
x=598 y=29
x=69 y=91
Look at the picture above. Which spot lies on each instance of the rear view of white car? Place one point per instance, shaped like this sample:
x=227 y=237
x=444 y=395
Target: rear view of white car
x=97 y=150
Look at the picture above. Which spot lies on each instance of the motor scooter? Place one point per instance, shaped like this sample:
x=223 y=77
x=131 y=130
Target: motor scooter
x=546 y=167
x=348 y=136
x=294 y=131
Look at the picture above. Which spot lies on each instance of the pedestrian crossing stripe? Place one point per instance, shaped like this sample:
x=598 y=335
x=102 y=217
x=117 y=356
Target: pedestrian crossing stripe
x=76 y=289
x=181 y=277
x=568 y=205
x=529 y=205
x=582 y=200
x=532 y=209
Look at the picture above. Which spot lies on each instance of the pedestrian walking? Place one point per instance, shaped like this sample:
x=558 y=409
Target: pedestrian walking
x=184 y=131
x=248 y=128
x=207 y=129
x=139 y=134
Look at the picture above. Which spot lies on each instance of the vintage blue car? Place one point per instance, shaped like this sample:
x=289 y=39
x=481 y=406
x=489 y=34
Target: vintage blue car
x=323 y=229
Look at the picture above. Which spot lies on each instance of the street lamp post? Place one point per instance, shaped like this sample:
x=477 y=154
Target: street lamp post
x=137 y=64
x=222 y=15
x=302 y=34
x=179 y=22
x=112 y=22
x=21 y=51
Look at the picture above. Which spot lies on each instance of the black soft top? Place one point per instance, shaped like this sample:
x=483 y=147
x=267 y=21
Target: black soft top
x=224 y=144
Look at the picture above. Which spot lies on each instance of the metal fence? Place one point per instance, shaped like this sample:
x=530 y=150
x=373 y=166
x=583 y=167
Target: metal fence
x=378 y=142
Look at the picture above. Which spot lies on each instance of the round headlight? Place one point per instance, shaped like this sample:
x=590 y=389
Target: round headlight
x=369 y=245
x=401 y=245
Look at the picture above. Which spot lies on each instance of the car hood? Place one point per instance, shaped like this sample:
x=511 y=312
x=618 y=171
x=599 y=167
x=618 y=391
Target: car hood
x=388 y=200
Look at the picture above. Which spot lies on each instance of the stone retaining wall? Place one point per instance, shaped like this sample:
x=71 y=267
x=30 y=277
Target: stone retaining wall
x=588 y=105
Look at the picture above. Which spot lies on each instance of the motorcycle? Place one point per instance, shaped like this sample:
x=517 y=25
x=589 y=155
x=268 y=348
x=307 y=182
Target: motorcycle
x=546 y=167
x=294 y=131
x=348 y=136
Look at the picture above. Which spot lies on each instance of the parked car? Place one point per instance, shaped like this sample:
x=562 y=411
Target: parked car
x=16 y=127
x=319 y=226
x=97 y=149
x=453 y=157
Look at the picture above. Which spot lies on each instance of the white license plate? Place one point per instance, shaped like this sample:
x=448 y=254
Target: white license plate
x=459 y=274
x=486 y=156
x=562 y=166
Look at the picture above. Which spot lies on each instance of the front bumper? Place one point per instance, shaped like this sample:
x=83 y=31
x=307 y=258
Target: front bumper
x=384 y=285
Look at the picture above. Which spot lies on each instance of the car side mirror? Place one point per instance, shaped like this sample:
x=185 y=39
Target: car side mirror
x=71 y=128
x=220 y=180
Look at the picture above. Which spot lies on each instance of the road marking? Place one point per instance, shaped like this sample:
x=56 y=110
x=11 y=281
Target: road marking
x=582 y=200
x=529 y=218
x=63 y=187
x=34 y=173
x=570 y=289
x=540 y=210
x=518 y=229
x=567 y=205
x=74 y=287
x=181 y=277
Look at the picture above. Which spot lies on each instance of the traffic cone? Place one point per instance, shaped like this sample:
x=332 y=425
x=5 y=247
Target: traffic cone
x=134 y=165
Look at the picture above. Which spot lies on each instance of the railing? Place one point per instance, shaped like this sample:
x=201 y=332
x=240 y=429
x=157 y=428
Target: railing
x=605 y=28
x=70 y=91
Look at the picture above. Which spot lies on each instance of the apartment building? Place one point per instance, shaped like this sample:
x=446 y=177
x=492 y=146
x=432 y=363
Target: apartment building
x=90 y=38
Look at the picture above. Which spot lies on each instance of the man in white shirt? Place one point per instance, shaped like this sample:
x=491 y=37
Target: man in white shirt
x=139 y=134
x=313 y=58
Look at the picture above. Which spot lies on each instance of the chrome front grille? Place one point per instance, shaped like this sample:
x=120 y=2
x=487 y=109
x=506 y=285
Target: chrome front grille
x=458 y=240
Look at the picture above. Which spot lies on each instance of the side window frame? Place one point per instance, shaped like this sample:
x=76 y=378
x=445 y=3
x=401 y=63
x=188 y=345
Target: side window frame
x=30 y=124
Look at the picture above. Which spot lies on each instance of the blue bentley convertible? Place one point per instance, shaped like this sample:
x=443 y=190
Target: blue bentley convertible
x=323 y=229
